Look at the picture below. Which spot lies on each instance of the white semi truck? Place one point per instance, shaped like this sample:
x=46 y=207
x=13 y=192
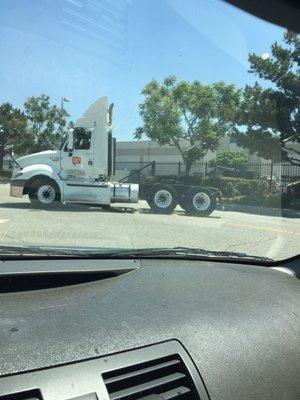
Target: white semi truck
x=80 y=172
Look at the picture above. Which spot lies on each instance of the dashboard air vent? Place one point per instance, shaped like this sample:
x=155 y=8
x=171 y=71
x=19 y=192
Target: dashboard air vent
x=28 y=395
x=160 y=379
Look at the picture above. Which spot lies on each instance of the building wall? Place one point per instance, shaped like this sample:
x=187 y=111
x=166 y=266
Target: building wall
x=146 y=151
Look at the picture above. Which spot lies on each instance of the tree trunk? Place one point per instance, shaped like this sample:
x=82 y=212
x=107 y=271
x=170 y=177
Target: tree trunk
x=188 y=166
x=187 y=161
x=2 y=154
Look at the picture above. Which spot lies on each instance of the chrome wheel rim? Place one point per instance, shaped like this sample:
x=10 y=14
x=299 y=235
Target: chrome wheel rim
x=163 y=198
x=201 y=201
x=45 y=194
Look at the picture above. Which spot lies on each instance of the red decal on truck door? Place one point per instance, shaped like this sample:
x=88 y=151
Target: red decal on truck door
x=76 y=160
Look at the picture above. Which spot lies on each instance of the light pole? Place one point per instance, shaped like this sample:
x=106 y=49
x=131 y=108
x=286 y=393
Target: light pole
x=62 y=101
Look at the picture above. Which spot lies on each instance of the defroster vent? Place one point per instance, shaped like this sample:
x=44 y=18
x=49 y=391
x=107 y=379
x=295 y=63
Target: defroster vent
x=165 y=378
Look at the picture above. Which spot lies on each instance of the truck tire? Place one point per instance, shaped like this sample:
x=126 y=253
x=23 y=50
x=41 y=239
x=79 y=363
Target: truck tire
x=162 y=199
x=200 y=201
x=44 y=193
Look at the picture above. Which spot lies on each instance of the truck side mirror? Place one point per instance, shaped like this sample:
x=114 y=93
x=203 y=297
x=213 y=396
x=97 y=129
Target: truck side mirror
x=70 y=140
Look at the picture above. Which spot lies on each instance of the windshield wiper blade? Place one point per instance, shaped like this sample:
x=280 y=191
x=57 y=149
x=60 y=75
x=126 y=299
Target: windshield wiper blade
x=184 y=252
x=90 y=252
x=46 y=251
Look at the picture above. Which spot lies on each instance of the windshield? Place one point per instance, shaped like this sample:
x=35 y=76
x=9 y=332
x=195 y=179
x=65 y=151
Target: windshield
x=185 y=119
x=63 y=142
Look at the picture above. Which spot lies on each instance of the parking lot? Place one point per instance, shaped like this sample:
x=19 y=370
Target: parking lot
x=135 y=226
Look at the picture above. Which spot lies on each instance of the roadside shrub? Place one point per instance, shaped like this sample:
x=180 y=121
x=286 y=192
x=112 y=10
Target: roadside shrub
x=230 y=159
x=184 y=179
x=230 y=187
x=270 y=200
x=254 y=189
x=5 y=174
x=273 y=200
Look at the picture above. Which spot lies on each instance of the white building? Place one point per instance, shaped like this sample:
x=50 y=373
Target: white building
x=133 y=155
x=144 y=151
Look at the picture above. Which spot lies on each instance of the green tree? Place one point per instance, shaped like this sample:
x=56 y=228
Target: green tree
x=190 y=116
x=46 y=122
x=229 y=159
x=13 y=131
x=269 y=118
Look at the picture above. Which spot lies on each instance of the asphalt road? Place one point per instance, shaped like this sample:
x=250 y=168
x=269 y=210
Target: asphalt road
x=134 y=226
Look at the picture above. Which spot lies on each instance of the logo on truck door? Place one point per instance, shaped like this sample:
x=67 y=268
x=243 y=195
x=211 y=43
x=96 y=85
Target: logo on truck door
x=76 y=160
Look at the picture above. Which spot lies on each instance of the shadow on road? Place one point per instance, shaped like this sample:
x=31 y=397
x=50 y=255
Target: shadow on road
x=67 y=208
x=181 y=213
x=92 y=208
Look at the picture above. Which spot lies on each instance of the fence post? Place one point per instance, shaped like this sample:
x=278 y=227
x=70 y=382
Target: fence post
x=179 y=168
x=271 y=177
x=205 y=170
x=153 y=168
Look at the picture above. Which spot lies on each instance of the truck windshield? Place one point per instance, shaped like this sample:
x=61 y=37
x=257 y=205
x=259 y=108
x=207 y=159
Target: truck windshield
x=187 y=129
x=63 y=142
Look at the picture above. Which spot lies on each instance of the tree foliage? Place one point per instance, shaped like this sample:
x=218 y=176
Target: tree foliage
x=46 y=122
x=13 y=131
x=190 y=116
x=39 y=127
x=229 y=159
x=269 y=118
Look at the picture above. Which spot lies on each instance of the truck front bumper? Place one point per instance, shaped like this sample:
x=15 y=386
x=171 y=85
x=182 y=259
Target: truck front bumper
x=16 y=187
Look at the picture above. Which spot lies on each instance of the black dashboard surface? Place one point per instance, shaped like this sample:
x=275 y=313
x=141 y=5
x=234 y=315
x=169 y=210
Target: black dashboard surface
x=239 y=323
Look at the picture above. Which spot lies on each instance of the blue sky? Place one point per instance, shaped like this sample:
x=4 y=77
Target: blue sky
x=84 y=49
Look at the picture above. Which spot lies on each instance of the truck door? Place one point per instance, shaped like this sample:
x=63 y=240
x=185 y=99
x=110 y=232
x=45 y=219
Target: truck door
x=79 y=163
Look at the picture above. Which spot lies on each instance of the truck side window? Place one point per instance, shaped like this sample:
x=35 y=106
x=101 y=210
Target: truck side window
x=82 y=140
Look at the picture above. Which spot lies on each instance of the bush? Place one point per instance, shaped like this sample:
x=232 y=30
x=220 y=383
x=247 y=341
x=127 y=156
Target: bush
x=273 y=200
x=269 y=200
x=184 y=179
x=229 y=159
x=230 y=187
x=5 y=174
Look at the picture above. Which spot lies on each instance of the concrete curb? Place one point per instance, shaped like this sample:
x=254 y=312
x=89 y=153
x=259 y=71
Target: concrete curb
x=270 y=211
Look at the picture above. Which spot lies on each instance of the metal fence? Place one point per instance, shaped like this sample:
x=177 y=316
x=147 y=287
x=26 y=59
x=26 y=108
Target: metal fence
x=281 y=173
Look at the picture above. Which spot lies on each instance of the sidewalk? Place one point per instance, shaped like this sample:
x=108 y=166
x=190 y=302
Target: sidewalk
x=269 y=211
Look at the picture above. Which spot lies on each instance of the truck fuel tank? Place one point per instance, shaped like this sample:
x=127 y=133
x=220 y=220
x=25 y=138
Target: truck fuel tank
x=124 y=192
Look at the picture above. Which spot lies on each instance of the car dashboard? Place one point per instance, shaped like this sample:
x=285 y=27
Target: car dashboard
x=156 y=330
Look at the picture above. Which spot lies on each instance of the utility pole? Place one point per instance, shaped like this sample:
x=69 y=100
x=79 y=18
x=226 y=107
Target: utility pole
x=62 y=101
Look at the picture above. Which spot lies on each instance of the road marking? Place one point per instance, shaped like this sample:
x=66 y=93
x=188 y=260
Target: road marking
x=263 y=228
x=3 y=221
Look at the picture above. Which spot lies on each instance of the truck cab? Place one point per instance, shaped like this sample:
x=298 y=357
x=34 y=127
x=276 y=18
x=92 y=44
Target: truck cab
x=78 y=172
x=77 y=155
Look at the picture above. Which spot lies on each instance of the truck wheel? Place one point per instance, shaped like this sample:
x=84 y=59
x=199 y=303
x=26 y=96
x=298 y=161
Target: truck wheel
x=200 y=202
x=44 y=192
x=162 y=199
